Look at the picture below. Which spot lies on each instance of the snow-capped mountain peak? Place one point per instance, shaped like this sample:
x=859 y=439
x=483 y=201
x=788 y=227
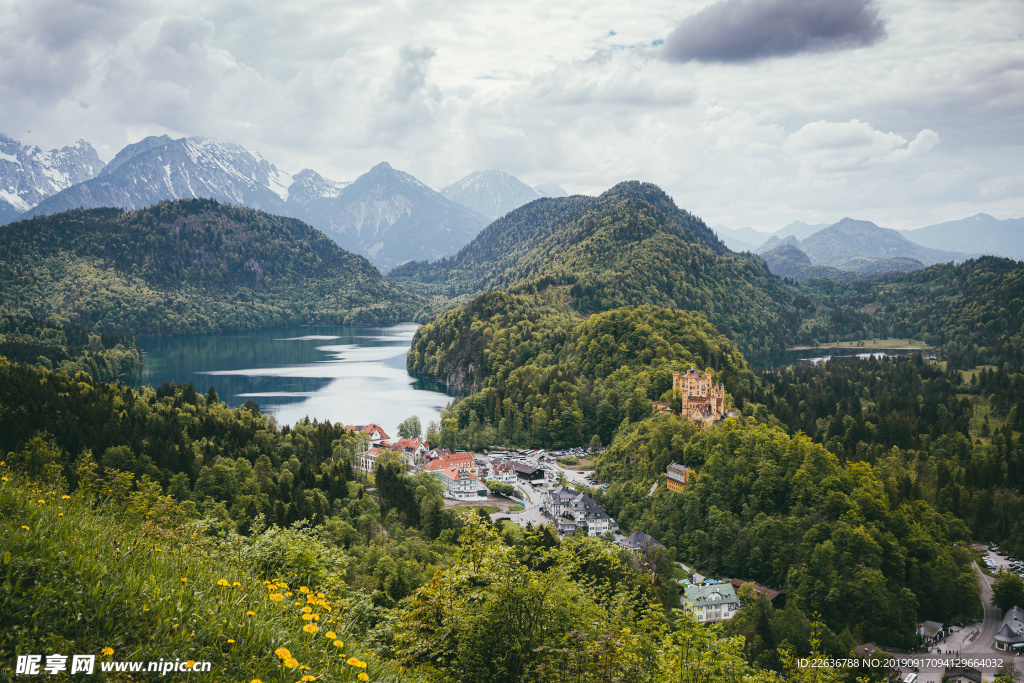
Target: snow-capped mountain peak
x=28 y=174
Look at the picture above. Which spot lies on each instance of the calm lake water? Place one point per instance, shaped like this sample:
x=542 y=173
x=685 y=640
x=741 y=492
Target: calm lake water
x=785 y=358
x=353 y=375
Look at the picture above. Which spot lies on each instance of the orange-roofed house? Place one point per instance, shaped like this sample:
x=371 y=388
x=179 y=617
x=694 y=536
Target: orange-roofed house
x=414 y=449
x=368 y=460
x=459 y=484
x=374 y=431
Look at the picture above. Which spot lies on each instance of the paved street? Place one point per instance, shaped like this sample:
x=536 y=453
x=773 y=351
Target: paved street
x=973 y=643
x=533 y=496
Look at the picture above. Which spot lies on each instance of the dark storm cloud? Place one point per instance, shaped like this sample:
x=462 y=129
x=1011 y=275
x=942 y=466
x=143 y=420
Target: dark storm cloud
x=745 y=30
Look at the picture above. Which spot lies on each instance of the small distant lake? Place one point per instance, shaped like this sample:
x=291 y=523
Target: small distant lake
x=782 y=359
x=353 y=375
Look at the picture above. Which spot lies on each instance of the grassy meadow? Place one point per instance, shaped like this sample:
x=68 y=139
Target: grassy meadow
x=127 y=580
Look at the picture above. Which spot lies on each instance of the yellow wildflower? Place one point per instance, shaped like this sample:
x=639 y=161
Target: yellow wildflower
x=65 y=497
x=184 y=580
x=307 y=609
x=190 y=663
x=310 y=628
x=282 y=653
x=338 y=643
x=307 y=677
x=302 y=589
x=276 y=597
x=250 y=613
x=354 y=661
x=256 y=680
x=230 y=640
x=288 y=594
x=307 y=617
x=362 y=676
x=331 y=635
x=41 y=500
x=291 y=662
x=107 y=651
x=222 y=582
x=236 y=583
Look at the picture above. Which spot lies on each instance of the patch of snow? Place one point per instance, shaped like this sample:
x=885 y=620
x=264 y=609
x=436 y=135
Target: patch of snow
x=10 y=158
x=15 y=201
x=279 y=182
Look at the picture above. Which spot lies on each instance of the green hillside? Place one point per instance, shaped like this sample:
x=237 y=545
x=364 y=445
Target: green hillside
x=261 y=552
x=545 y=376
x=630 y=246
x=495 y=251
x=973 y=310
x=187 y=266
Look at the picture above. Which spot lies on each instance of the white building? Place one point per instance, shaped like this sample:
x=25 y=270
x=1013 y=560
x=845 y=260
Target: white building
x=506 y=474
x=711 y=602
x=573 y=510
x=368 y=459
x=460 y=484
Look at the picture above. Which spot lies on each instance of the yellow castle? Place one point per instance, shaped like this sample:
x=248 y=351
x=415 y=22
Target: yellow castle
x=703 y=400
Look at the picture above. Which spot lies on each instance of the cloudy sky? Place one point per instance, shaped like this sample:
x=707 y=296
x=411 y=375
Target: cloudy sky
x=748 y=112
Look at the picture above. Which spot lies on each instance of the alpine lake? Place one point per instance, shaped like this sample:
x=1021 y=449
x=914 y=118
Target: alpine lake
x=352 y=375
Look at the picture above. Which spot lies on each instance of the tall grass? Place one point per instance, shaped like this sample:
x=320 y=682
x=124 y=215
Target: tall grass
x=76 y=580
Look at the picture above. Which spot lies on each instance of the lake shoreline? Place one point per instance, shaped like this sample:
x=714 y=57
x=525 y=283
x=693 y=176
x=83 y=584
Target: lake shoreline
x=923 y=347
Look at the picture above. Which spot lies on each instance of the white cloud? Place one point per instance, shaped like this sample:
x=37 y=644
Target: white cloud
x=829 y=146
x=571 y=92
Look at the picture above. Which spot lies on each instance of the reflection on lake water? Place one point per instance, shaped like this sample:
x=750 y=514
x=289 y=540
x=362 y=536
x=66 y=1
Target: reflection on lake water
x=353 y=375
x=782 y=359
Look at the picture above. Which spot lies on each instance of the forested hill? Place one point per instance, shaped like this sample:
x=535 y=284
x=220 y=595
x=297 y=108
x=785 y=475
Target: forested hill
x=187 y=266
x=973 y=311
x=516 y=247
x=629 y=246
x=546 y=377
x=494 y=251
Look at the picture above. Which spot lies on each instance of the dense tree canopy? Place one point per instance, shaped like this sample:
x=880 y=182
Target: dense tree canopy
x=188 y=266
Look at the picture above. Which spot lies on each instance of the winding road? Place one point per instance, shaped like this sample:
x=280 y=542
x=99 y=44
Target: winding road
x=976 y=652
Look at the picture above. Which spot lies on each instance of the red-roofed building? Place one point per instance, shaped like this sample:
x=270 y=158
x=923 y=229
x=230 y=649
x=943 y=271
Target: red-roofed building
x=372 y=430
x=461 y=484
x=368 y=460
x=414 y=449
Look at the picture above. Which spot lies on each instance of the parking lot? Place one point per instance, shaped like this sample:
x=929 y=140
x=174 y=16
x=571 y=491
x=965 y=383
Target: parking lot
x=997 y=560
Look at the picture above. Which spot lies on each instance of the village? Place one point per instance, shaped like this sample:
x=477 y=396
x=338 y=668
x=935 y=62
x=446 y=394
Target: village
x=530 y=487
x=536 y=487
